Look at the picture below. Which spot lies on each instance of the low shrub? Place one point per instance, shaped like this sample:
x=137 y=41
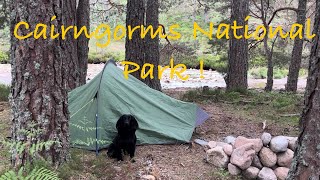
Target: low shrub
x=4 y=57
x=262 y=72
x=96 y=58
x=4 y=92
x=303 y=73
x=280 y=73
x=258 y=73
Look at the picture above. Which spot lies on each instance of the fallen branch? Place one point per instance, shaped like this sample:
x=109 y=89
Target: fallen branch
x=289 y=115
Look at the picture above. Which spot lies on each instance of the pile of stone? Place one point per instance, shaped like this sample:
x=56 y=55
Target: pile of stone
x=266 y=158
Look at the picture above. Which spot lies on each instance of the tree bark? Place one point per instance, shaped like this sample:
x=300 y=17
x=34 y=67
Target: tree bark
x=135 y=46
x=83 y=19
x=142 y=51
x=69 y=13
x=238 y=49
x=268 y=52
x=41 y=77
x=306 y=162
x=297 y=51
x=152 y=54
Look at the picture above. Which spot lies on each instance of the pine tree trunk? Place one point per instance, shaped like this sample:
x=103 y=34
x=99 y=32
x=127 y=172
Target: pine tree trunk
x=41 y=77
x=152 y=55
x=135 y=46
x=238 y=49
x=83 y=19
x=68 y=17
x=268 y=52
x=306 y=162
x=297 y=51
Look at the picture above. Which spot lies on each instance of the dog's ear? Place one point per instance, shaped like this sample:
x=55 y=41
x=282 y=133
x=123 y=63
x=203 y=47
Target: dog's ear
x=120 y=122
x=133 y=123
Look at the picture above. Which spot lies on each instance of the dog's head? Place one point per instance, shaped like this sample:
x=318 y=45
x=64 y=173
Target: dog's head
x=127 y=122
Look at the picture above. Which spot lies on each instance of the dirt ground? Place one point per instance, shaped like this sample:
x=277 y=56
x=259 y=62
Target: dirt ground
x=176 y=162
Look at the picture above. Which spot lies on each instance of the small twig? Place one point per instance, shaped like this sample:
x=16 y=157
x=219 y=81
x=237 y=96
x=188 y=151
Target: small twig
x=264 y=124
x=166 y=38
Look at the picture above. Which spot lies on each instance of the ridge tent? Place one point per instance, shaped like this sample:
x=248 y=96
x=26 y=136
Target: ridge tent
x=96 y=106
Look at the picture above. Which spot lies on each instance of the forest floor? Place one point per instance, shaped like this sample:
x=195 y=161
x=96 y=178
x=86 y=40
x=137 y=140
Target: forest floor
x=230 y=114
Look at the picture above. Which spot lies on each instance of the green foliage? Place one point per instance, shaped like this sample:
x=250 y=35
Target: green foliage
x=222 y=174
x=74 y=164
x=29 y=147
x=280 y=73
x=257 y=61
x=94 y=57
x=303 y=73
x=258 y=73
x=218 y=62
x=281 y=59
x=261 y=73
x=36 y=173
x=4 y=57
x=210 y=61
x=4 y=92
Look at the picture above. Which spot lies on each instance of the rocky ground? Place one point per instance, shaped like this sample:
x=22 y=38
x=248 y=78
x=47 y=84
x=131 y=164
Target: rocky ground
x=263 y=158
x=211 y=78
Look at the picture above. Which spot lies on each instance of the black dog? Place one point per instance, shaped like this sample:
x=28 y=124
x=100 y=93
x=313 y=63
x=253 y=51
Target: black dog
x=126 y=138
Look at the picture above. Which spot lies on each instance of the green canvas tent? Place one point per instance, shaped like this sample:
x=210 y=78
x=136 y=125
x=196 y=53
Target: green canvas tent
x=96 y=106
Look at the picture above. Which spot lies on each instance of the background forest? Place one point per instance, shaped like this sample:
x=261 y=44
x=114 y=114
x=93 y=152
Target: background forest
x=187 y=50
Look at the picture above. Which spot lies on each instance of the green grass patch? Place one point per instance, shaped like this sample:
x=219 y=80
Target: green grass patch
x=222 y=174
x=215 y=95
x=4 y=92
x=274 y=106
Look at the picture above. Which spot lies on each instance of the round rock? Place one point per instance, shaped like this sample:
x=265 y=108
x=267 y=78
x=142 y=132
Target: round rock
x=279 y=144
x=233 y=170
x=266 y=174
x=217 y=157
x=281 y=173
x=267 y=157
x=228 y=149
x=292 y=143
x=243 y=156
x=285 y=158
x=148 y=177
x=266 y=138
x=251 y=173
x=212 y=144
x=256 y=162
